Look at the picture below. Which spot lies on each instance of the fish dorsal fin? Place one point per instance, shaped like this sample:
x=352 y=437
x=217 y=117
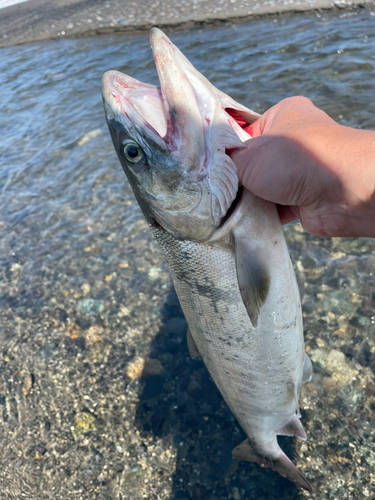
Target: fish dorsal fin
x=307 y=370
x=192 y=346
x=252 y=274
x=293 y=428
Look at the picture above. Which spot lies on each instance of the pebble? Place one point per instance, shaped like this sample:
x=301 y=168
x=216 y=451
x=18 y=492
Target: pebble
x=143 y=367
x=84 y=423
x=91 y=307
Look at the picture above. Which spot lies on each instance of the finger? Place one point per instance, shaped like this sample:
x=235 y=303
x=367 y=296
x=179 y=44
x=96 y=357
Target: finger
x=254 y=129
x=248 y=162
x=287 y=213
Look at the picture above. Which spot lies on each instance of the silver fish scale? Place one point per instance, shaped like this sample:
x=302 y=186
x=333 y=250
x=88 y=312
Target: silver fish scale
x=206 y=283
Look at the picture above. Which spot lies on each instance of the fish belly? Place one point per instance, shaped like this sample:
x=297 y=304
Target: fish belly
x=258 y=370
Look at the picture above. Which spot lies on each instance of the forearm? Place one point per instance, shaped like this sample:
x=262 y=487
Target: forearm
x=347 y=157
x=314 y=168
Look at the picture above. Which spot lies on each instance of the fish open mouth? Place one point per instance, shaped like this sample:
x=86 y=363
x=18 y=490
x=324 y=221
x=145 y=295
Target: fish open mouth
x=191 y=122
x=147 y=102
x=175 y=108
x=240 y=120
x=140 y=102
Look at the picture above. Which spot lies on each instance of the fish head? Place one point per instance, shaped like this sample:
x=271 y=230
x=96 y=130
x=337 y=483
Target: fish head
x=172 y=142
x=158 y=164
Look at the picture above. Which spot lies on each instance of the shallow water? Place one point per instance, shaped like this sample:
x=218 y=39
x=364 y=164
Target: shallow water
x=85 y=295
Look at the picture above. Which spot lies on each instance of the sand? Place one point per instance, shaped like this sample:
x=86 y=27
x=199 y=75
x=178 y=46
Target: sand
x=39 y=20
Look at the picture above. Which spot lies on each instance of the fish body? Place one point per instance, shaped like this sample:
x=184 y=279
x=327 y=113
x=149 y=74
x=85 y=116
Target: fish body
x=224 y=247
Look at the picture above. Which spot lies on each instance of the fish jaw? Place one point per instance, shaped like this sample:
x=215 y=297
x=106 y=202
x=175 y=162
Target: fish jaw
x=137 y=105
x=169 y=192
x=195 y=106
x=164 y=189
x=180 y=103
x=188 y=181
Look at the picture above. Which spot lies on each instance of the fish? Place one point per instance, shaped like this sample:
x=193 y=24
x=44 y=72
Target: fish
x=224 y=247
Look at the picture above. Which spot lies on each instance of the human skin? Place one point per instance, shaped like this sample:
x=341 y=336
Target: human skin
x=315 y=169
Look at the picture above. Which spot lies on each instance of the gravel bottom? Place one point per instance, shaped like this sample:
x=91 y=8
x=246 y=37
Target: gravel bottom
x=39 y=20
x=99 y=398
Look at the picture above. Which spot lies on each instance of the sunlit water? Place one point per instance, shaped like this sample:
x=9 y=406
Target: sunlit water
x=84 y=292
x=8 y=3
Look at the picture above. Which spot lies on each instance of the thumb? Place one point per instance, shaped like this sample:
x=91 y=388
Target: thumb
x=249 y=158
x=241 y=156
x=255 y=128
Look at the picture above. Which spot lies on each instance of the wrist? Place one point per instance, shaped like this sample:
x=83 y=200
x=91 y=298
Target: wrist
x=348 y=157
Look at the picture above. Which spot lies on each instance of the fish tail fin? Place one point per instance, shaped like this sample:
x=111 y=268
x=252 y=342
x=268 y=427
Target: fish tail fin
x=281 y=464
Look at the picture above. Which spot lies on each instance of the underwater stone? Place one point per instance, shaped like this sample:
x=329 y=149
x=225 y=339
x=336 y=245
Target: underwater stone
x=143 y=367
x=91 y=307
x=84 y=423
x=154 y=273
x=334 y=362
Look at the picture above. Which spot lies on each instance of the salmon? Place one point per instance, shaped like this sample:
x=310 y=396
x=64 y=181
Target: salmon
x=224 y=247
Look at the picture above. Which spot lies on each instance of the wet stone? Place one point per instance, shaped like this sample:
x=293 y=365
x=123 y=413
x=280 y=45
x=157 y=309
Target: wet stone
x=308 y=262
x=94 y=335
x=176 y=326
x=141 y=367
x=73 y=331
x=91 y=307
x=83 y=424
x=84 y=290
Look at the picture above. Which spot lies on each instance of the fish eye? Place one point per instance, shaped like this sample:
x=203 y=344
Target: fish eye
x=133 y=152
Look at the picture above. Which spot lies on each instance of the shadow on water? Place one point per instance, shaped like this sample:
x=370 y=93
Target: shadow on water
x=184 y=405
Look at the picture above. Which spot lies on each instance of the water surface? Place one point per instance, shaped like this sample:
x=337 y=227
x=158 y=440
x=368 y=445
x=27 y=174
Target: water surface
x=85 y=295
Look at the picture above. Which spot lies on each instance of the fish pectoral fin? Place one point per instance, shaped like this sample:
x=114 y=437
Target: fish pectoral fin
x=252 y=274
x=282 y=464
x=192 y=346
x=307 y=370
x=293 y=428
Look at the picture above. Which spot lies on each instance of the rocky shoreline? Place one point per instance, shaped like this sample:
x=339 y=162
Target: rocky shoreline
x=40 y=20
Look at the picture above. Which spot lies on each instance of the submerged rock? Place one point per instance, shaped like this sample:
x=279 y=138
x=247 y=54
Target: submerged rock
x=91 y=307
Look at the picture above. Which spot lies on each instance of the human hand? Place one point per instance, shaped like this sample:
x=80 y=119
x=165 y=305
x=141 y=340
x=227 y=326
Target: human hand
x=315 y=169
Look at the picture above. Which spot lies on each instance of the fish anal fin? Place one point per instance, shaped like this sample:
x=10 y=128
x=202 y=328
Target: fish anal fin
x=307 y=370
x=252 y=274
x=293 y=428
x=192 y=346
x=282 y=464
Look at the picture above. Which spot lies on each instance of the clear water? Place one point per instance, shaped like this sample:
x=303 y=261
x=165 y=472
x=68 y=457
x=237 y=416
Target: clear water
x=84 y=290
